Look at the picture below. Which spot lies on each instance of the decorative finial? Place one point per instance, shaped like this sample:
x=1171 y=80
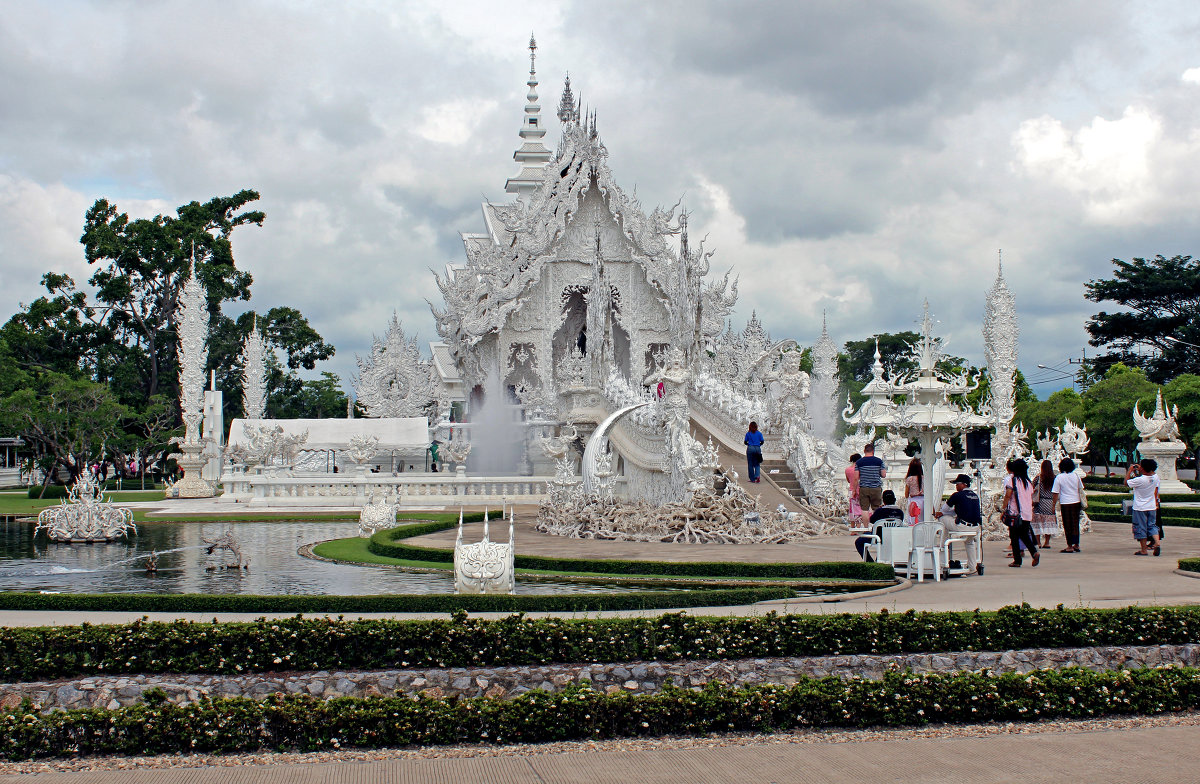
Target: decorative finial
x=566 y=105
x=999 y=262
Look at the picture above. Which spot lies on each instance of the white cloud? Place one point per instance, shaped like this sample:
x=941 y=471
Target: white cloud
x=1191 y=76
x=453 y=122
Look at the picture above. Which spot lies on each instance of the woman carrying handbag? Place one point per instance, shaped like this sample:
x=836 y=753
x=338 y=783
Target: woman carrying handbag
x=1018 y=511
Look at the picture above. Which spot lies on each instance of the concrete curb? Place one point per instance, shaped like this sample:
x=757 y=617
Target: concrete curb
x=1187 y=573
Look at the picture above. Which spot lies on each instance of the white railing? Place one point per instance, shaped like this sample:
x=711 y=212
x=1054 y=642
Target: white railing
x=318 y=490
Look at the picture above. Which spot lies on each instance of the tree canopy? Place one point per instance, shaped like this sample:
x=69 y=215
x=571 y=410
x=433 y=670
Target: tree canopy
x=113 y=353
x=1159 y=329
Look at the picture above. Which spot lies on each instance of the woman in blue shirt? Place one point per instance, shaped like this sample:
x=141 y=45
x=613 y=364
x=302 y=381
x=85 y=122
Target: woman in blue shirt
x=754 y=441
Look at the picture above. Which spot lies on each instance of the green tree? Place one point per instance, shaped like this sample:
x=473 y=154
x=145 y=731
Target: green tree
x=67 y=420
x=1184 y=391
x=1161 y=301
x=1039 y=416
x=1108 y=409
x=320 y=398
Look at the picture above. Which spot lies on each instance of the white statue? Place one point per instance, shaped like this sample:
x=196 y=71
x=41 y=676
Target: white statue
x=85 y=516
x=394 y=381
x=486 y=566
x=377 y=514
x=1161 y=442
x=1161 y=426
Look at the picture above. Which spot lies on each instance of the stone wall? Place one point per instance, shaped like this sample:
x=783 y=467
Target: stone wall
x=108 y=691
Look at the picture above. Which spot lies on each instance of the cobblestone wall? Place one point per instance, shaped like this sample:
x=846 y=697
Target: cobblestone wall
x=642 y=677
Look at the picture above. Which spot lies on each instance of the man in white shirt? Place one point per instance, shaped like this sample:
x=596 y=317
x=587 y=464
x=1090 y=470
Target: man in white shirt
x=1144 y=484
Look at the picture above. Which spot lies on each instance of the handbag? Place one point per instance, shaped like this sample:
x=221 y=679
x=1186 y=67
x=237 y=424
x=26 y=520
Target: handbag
x=1011 y=518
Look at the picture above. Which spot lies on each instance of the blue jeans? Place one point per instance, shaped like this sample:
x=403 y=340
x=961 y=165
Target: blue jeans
x=753 y=459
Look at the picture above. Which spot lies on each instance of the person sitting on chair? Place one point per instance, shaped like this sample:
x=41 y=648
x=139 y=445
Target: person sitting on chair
x=961 y=512
x=887 y=516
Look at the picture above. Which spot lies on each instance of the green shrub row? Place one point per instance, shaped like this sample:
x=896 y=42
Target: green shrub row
x=1189 y=564
x=305 y=723
x=414 y=603
x=61 y=491
x=29 y=654
x=1177 y=512
x=1115 y=516
x=387 y=543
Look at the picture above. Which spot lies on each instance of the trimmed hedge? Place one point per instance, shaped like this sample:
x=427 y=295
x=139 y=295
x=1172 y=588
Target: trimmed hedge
x=54 y=492
x=1189 y=564
x=415 y=603
x=305 y=723
x=30 y=654
x=386 y=543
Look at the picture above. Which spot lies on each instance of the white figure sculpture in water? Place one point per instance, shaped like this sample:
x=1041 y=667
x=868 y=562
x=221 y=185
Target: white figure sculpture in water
x=486 y=566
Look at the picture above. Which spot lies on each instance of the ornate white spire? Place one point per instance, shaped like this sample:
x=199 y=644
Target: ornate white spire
x=532 y=155
x=254 y=374
x=1000 y=333
x=568 y=112
x=192 y=325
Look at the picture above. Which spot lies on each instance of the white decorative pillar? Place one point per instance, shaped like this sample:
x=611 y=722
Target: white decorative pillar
x=1161 y=442
x=192 y=324
x=1000 y=334
x=823 y=405
x=254 y=374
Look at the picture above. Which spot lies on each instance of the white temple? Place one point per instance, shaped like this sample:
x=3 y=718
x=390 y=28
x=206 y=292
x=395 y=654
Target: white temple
x=572 y=307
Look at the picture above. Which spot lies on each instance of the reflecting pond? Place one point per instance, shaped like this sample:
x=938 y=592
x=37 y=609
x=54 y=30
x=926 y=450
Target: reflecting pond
x=35 y=564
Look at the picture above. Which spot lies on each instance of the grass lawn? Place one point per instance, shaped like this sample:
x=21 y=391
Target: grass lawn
x=355 y=550
x=19 y=503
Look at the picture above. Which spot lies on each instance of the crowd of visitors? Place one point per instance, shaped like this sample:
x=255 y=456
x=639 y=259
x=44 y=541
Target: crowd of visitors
x=1031 y=509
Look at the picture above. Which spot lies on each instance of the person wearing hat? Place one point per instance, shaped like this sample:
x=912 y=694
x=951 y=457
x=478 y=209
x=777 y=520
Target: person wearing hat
x=967 y=517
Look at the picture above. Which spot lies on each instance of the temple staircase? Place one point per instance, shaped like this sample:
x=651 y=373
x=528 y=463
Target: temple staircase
x=771 y=490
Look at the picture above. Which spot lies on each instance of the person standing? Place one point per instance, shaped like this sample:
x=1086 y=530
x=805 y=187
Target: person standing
x=1045 y=524
x=1144 y=484
x=852 y=480
x=1068 y=494
x=1018 y=511
x=967 y=518
x=871 y=473
x=914 y=493
x=754 y=442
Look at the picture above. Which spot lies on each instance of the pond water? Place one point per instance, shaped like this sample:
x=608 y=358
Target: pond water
x=35 y=564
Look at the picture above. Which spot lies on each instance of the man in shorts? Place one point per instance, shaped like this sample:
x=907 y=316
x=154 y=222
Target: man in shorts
x=871 y=473
x=1144 y=484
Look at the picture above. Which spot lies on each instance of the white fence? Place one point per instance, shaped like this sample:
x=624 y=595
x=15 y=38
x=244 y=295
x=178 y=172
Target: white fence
x=341 y=490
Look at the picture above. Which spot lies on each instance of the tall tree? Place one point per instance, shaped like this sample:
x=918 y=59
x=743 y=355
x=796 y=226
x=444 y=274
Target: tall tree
x=143 y=264
x=1161 y=298
x=1108 y=409
x=1184 y=392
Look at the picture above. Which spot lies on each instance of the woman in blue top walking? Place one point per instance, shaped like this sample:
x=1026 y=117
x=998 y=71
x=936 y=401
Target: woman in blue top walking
x=754 y=441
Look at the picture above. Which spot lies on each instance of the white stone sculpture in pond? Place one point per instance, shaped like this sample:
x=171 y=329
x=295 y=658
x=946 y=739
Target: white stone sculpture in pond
x=378 y=513
x=85 y=516
x=486 y=566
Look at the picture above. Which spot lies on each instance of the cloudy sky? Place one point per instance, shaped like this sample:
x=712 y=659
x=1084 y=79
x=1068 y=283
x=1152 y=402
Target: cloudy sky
x=846 y=157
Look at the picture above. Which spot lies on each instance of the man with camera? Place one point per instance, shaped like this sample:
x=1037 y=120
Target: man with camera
x=1141 y=480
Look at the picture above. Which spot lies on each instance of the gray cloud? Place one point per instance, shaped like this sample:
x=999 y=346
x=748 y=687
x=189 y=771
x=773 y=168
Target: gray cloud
x=846 y=157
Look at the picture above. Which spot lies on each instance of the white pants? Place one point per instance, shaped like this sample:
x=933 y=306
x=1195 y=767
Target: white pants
x=950 y=526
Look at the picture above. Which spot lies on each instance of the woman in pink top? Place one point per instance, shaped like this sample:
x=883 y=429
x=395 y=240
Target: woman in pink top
x=852 y=478
x=1018 y=510
x=914 y=493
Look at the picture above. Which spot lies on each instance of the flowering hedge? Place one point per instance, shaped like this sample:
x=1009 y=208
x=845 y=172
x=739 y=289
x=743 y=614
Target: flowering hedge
x=29 y=654
x=306 y=723
x=388 y=543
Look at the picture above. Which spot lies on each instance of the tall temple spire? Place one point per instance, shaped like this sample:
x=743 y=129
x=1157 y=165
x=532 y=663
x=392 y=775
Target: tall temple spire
x=532 y=155
x=568 y=112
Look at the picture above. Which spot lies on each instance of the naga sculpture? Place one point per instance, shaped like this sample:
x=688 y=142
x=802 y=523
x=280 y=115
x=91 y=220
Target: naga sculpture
x=85 y=516
x=486 y=566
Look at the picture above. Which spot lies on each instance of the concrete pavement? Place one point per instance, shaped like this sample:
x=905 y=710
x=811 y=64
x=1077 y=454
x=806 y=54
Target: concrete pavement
x=1151 y=754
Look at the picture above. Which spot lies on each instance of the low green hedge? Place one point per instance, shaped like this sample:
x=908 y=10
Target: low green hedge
x=305 y=723
x=1189 y=564
x=53 y=492
x=414 y=603
x=47 y=653
x=387 y=543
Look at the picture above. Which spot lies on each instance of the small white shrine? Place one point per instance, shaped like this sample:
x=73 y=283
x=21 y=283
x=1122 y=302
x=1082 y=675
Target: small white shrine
x=1161 y=442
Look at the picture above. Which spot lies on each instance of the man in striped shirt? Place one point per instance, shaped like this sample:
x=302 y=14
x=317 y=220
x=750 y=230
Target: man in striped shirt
x=871 y=473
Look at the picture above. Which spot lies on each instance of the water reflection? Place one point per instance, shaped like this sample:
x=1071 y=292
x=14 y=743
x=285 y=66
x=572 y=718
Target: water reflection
x=29 y=564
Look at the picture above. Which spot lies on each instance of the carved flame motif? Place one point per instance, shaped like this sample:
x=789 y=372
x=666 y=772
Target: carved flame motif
x=394 y=381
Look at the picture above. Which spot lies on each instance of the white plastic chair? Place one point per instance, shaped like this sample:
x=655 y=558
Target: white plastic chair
x=926 y=541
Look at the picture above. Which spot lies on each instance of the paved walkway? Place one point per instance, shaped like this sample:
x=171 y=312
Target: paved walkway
x=1157 y=754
